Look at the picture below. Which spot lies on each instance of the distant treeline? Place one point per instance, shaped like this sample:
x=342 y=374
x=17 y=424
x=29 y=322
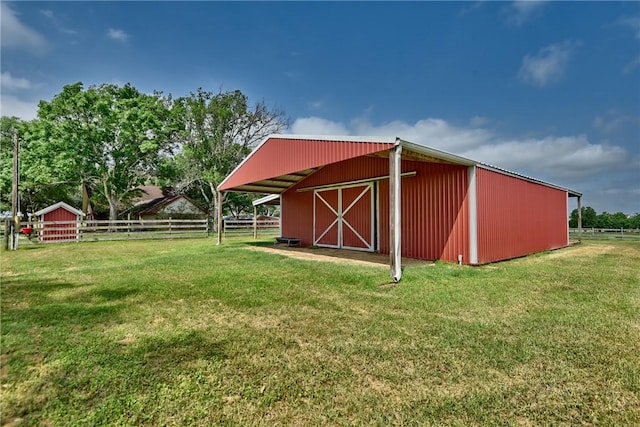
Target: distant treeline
x=590 y=218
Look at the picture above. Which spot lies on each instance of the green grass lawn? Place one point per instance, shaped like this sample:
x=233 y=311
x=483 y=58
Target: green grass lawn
x=188 y=333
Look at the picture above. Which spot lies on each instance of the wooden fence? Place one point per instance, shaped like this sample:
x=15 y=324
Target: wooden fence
x=103 y=230
x=606 y=233
x=233 y=227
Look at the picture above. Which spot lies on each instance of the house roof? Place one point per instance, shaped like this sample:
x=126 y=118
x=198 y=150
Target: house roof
x=62 y=205
x=149 y=194
x=281 y=161
x=156 y=205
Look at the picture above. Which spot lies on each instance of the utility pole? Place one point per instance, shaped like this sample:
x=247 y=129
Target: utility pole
x=15 y=197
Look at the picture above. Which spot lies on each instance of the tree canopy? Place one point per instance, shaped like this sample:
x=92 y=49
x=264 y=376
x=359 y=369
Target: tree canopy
x=112 y=139
x=219 y=131
x=591 y=219
x=108 y=137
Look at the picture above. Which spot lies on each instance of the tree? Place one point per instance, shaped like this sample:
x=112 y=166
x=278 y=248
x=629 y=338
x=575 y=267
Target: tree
x=43 y=179
x=588 y=217
x=7 y=126
x=618 y=220
x=219 y=131
x=110 y=138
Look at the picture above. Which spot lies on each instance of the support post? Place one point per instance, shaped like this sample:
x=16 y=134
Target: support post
x=255 y=222
x=219 y=219
x=579 y=219
x=473 y=216
x=395 y=244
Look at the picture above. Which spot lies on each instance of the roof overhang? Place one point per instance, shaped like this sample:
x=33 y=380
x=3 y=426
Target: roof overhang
x=281 y=161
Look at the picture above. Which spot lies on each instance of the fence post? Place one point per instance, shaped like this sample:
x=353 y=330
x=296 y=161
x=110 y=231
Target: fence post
x=255 y=222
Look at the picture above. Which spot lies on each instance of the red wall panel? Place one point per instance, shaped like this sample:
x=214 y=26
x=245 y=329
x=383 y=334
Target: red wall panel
x=59 y=232
x=434 y=206
x=435 y=214
x=518 y=217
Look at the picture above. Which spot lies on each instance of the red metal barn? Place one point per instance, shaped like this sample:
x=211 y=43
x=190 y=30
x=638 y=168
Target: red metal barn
x=58 y=223
x=392 y=196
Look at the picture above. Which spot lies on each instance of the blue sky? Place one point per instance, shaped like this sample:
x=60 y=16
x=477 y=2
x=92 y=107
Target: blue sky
x=548 y=89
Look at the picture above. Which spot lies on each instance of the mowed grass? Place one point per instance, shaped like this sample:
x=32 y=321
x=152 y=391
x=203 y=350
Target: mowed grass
x=189 y=333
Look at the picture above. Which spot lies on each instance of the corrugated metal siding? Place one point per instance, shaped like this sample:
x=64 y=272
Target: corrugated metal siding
x=297 y=216
x=434 y=206
x=279 y=156
x=434 y=212
x=517 y=217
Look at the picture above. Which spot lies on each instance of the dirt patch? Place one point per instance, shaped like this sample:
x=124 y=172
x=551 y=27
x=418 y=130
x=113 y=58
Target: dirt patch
x=341 y=256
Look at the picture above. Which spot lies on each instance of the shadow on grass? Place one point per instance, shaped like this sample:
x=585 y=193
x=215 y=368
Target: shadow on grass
x=33 y=286
x=115 y=293
x=161 y=353
x=72 y=313
x=50 y=302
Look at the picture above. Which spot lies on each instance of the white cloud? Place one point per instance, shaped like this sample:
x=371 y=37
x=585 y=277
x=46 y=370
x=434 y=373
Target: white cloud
x=435 y=133
x=8 y=82
x=633 y=22
x=520 y=12
x=117 y=34
x=635 y=63
x=57 y=23
x=551 y=157
x=17 y=35
x=570 y=156
x=12 y=106
x=549 y=65
x=614 y=121
x=478 y=121
x=318 y=126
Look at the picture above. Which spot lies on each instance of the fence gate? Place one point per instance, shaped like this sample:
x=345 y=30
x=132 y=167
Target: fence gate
x=344 y=217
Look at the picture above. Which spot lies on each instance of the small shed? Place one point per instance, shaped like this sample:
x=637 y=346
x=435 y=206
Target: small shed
x=388 y=195
x=59 y=223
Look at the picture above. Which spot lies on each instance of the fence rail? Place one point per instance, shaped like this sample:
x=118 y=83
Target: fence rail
x=606 y=233
x=102 y=230
x=135 y=229
x=245 y=226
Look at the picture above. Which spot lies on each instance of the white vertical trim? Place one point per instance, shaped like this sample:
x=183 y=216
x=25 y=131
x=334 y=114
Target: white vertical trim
x=566 y=198
x=377 y=216
x=339 y=218
x=280 y=225
x=395 y=193
x=372 y=204
x=473 y=216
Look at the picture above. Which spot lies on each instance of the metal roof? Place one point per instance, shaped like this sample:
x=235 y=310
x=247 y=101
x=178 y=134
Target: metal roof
x=282 y=160
x=271 y=199
x=62 y=205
